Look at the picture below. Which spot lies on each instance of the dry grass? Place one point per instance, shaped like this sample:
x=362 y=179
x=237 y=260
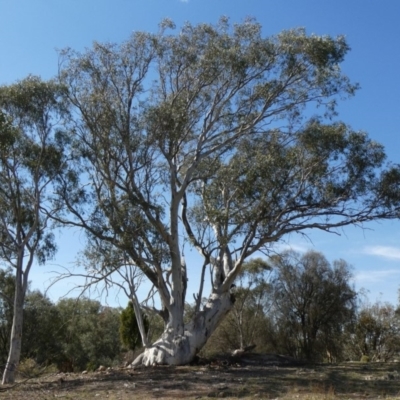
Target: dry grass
x=255 y=380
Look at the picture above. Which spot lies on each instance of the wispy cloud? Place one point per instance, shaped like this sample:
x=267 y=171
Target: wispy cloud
x=392 y=253
x=281 y=247
x=184 y=1
x=376 y=276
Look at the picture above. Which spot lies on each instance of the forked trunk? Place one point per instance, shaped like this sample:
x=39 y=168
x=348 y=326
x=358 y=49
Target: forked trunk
x=16 y=340
x=180 y=349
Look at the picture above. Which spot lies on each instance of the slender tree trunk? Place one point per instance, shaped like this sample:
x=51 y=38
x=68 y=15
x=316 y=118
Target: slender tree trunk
x=16 y=336
x=180 y=349
x=139 y=319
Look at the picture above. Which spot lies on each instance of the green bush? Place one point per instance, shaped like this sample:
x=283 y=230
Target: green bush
x=364 y=359
x=91 y=366
x=29 y=368
x=129 y=329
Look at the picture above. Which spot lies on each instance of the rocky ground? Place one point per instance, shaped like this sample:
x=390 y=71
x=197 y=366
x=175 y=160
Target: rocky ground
x=250 y=376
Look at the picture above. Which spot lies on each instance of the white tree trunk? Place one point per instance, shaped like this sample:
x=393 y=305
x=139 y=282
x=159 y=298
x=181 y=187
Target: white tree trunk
x=175 y=349
x=139 y=318
x=16 y=339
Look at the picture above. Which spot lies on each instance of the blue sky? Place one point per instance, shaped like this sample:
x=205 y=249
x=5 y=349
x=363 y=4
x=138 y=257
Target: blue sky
x=32 y=30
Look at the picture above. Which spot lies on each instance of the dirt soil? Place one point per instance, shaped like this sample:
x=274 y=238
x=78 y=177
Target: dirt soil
x=249 y=377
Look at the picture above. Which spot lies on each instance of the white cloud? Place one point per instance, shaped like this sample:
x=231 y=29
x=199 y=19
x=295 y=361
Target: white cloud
x=296 y=246
x=392 y=253
x=376 y=276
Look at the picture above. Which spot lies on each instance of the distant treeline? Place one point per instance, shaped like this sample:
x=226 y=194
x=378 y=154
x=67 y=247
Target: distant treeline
x=297 y=305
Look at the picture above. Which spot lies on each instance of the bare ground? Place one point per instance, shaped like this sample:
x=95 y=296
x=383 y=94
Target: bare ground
x=252 y=376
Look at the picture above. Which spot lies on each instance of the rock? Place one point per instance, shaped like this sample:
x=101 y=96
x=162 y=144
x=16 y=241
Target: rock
x=101 y=368
x=84 y=372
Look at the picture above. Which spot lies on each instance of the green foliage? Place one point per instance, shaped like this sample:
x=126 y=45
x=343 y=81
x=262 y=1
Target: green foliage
x=42 y=325
x=7 y=289
x=375 y=332
x=312 y=303
x=88 y=334
x=202 y=135
x=247 y=322
x=30 y=161
x=29 y=368
x=364 y=359
x=209 y=127
x=128 y=328
x=92 y=366
x=8 y=133
x=72 y=334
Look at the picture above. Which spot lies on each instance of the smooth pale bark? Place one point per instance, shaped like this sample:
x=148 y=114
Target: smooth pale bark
x=21 y=285
x=16 y=337
x=139 y=319
x=180 y=349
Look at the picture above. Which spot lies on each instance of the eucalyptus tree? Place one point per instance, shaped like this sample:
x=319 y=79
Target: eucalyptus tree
x=203 y=141
x=31 y=156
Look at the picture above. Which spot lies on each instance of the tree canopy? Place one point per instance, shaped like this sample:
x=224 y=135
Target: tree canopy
x=313 y=301
x=220 y=140
x=31 y=157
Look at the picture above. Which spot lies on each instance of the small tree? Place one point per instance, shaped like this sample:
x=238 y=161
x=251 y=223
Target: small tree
x=129 y=330
x=31 y=158
x=42 y=327
x=375 y=332
x=312 y=303
x=88 y=334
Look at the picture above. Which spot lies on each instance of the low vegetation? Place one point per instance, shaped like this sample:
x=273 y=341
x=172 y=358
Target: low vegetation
x=246 y=379
x=297 y=305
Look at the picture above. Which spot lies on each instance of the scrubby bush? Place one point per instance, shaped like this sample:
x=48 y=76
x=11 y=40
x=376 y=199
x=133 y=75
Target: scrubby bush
x=129 y=329
x=29 y=368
